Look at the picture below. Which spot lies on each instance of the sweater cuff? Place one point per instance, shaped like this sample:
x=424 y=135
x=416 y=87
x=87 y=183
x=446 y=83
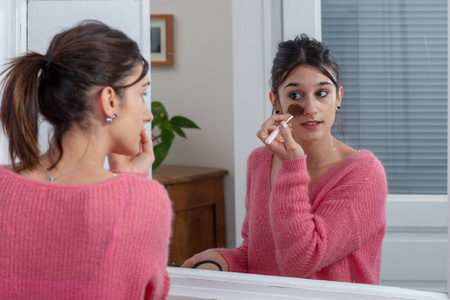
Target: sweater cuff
x=293 y=174
x=293 y=164
x=140 y=174
x=234 y=265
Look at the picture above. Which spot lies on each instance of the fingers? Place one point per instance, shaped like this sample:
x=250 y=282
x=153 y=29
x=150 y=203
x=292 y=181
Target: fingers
x=189 y=263
x=147 y=146
x=269 y=127
x=146 y=142
x=277 y=135
x=140 y=162
x=292 y=148
x=143 y=160
x=207 y=255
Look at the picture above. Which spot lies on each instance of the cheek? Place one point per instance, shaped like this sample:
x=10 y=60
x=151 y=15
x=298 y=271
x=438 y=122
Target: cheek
x=329 y=106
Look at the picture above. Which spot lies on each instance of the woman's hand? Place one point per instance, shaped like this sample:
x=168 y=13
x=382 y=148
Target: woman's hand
x=285 y=147
x=209 y=254
x=141 y=162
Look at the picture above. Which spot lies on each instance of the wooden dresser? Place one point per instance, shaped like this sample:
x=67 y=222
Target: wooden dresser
x=198 y=204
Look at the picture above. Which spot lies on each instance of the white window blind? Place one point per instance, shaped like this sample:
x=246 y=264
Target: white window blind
x=393 y=54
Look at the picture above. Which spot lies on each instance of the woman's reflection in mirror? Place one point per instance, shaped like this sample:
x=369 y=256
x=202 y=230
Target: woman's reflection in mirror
x=315 y=207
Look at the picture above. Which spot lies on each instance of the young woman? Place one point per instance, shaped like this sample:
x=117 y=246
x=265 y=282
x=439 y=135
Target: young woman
x=69 y=228
x=315 y=206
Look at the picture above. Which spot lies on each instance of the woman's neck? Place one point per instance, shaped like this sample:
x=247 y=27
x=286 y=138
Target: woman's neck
x=317 y=150
x=77 y=148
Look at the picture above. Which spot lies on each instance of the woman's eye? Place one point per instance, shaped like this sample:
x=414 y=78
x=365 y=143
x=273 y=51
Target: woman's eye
x=144 y=95
x=322 y=94
x=295 y=96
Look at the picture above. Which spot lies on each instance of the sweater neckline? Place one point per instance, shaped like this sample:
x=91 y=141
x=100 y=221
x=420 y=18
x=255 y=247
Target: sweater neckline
x=35 y=182
x=324 y=175
x=346 y=161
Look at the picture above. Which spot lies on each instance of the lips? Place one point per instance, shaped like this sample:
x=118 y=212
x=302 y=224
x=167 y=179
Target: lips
x=311 y=124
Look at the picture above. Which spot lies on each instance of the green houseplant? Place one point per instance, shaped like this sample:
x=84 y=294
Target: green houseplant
x=167 y=128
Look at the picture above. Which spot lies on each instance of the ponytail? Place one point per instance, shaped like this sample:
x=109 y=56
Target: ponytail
x=19 y=111
x=59 y=86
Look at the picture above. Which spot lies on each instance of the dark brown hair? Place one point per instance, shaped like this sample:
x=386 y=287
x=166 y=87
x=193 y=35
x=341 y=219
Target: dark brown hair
x=59 y=85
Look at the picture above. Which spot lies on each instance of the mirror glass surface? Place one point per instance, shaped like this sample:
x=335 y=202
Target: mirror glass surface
x=394 y=60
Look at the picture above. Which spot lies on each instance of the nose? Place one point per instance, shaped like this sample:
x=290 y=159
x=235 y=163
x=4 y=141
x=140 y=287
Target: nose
x=147 y=115
x=310 y=107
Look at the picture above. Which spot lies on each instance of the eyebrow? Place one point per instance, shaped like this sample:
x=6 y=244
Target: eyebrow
x=294 y=84
x=146 y=84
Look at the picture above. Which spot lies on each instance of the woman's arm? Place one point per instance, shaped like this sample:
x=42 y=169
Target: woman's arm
x=236 y=259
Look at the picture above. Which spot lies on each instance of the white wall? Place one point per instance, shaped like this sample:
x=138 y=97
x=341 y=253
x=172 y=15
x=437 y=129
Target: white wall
x=302 y=16
x=199 y=86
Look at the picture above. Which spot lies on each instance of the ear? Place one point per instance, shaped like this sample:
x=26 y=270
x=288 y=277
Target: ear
x=108 y=101
x=273 y=99
x=339 y=96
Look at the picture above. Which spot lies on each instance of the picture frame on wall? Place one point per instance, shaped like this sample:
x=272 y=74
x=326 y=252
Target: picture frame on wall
x=161 y=36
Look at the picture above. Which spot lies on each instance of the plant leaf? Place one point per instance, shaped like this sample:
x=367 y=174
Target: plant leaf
x=182 y=122
x=167 y=137
x=159 y=113
x=180 y=132
x=165 y=125
x=160 y=154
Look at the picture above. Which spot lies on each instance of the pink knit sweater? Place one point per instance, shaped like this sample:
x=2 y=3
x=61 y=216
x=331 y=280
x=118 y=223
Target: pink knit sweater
x=106 y=240
x=333 y=232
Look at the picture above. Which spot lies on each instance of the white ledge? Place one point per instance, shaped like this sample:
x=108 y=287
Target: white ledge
x=203 y=284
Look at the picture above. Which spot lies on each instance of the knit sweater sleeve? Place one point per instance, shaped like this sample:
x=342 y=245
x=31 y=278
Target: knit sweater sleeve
x=155 y=219
x=163 y=222
x=237 y=258
x=347 y=212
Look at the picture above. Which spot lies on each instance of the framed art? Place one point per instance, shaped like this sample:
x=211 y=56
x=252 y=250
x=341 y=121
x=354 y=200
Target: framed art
x=161 y=36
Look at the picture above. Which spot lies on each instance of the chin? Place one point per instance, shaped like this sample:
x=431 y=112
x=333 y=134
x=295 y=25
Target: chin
x=309 y=139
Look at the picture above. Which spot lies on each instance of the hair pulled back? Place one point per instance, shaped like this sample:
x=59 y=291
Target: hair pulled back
x=59 y=85
x=303 y=50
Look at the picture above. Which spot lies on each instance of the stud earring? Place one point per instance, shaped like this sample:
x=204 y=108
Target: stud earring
x=110 y=120
x=338 y=107
x=277 y=112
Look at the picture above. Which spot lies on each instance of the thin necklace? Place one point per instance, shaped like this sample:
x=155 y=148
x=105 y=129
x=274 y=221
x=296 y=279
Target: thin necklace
x=313 y=167
x=56 y=177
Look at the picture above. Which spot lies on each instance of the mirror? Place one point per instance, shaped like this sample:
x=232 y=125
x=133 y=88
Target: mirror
x=208 y=60
x=207 y=56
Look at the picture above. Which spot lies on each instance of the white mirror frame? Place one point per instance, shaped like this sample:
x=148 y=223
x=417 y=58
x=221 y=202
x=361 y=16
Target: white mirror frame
x=210 y=284
x=202 y=284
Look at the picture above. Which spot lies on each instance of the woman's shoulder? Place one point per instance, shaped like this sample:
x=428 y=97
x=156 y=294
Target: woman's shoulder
x=260 y=153
x=259 y=157
x=146 y=193
x=360 y=164
x=362 y=158
x=143 y=184
x=128 y=181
